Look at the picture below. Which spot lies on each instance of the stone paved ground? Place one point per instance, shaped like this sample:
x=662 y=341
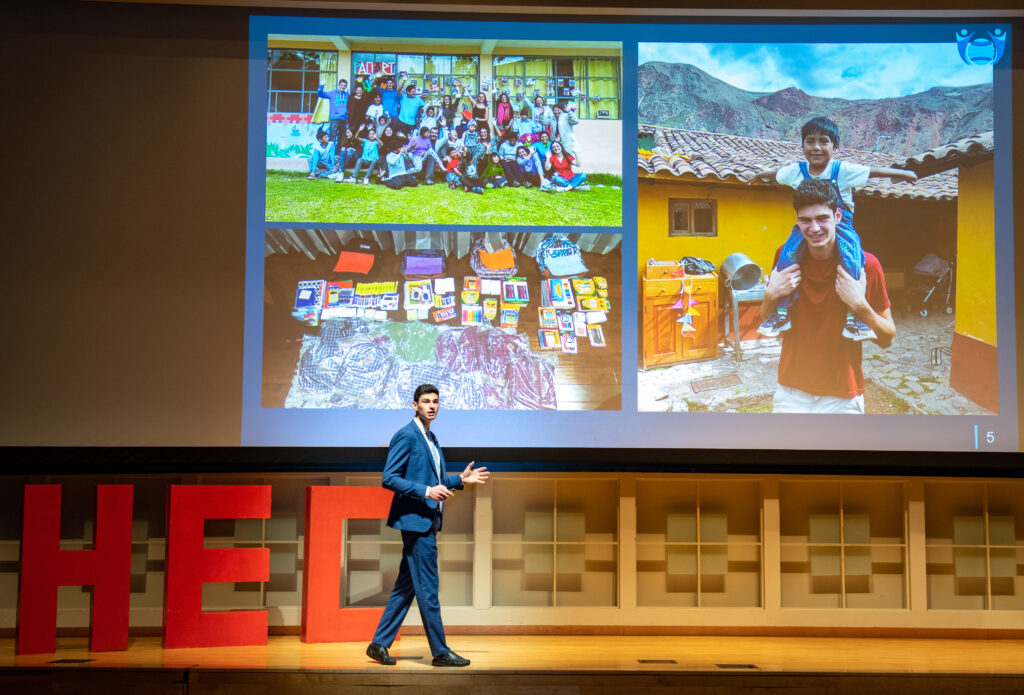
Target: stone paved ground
x=899 y=379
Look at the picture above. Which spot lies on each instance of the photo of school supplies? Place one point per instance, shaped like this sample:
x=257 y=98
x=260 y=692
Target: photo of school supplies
x=565 y=324
x=444 y=285
x=549 y=339
x=590 y=304
x=490 y=308
x=472 y=314
x=419 y=294
x=337 y=299
x=309 y=294
x=471 y=282
x=371 y=288
x=557 y=292
x=569 y=344
x=308 y=301
x=583 y=287
x=442 y=314
x=596 y=336
x=601 y=285
x=515 y=291
x=596 y=317
x=579 y=321
x=490 y=286
x=509 y=316
x=470 y=297
x=547 y=317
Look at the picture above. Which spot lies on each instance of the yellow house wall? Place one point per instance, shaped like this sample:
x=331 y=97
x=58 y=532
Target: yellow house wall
x=975 y=272
x=751 y=220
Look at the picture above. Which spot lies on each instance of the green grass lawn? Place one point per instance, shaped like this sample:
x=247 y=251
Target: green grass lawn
x=291 y=198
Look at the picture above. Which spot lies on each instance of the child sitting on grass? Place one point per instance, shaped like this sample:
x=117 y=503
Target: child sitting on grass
x=399 y=171
x=323 y=161
x=370 y=157
x=493 y=173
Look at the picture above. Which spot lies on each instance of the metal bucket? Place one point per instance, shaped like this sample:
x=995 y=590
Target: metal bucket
x=741 y=272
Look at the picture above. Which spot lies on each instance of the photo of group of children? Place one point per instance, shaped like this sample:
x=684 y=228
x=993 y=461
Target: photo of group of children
x=385 y=132
x=382 y=127
x=523 y=322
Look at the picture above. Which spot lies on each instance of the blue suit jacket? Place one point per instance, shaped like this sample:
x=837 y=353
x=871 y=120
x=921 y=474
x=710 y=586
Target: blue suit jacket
x=408 y=473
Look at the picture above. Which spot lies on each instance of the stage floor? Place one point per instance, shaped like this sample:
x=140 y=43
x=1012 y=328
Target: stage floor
x=559 y=654
x=531 y=665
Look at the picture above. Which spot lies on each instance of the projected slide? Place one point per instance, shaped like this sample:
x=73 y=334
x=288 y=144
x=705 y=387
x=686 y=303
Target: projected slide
x=815 y=252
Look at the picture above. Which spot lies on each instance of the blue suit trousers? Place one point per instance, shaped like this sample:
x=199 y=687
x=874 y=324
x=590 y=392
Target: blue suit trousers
x=417 y=576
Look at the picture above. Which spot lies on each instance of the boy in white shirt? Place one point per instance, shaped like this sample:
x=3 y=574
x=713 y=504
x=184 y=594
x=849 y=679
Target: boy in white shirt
x=820 y=139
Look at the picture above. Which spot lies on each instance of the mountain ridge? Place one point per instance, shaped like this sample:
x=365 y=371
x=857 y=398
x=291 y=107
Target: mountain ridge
x=680 y=95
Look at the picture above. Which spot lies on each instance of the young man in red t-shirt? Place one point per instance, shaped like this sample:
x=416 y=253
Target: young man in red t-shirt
x=819 y=371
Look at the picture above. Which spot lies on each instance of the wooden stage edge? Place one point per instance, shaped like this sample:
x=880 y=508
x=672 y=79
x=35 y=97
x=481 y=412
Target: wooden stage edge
x=639 y=631
x=528 y=665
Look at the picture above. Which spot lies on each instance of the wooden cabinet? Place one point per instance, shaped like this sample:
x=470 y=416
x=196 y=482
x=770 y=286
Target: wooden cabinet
x=663 y=340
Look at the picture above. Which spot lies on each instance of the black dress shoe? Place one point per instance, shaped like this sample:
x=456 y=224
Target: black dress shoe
x=450 y=659
x=380 y=654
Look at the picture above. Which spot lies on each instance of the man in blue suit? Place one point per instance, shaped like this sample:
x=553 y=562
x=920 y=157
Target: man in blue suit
x=415 y=473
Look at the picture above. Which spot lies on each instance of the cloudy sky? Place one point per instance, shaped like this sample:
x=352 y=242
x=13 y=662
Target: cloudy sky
x=850 y=71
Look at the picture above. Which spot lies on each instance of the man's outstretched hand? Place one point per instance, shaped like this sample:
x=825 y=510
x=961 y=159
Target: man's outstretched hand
x=474 y=475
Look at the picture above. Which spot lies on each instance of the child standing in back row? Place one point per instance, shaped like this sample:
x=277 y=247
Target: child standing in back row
x=820 y=140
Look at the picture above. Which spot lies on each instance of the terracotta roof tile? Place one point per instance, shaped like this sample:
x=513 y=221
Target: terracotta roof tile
x=720 y=157
x=950 y=156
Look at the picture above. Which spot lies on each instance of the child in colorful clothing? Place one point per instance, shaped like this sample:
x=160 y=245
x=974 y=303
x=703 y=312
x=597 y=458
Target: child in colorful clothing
x=451 y=143
x=349 y=153
x=429 y=119
x=452 y=170
x=399 y=173
x=820 y=138
x=527 y=129
x=376 y=109
x=493 y=173
x=370 y=157
x=543 y=146
x=531 y=171
x=423 y=156
x=323 y=162
x=475 y=150
x=507 y=151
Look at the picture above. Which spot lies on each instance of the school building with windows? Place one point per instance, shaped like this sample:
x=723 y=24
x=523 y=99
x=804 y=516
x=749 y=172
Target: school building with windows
x=587 y=75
